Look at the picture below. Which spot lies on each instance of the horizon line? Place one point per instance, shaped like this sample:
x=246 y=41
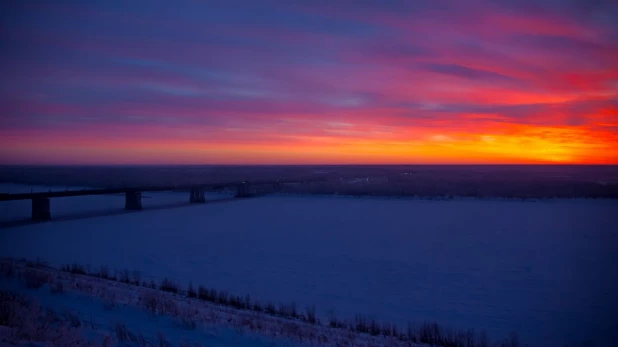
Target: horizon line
x=301 y=165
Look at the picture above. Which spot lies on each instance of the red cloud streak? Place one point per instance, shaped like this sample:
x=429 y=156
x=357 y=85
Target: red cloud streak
x=489 y=83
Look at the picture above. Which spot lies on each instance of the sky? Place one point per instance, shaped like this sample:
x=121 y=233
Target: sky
x=309 y=82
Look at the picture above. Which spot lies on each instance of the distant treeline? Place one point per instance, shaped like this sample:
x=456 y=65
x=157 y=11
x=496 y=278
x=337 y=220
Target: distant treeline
x=478 y=181
x=446 y=189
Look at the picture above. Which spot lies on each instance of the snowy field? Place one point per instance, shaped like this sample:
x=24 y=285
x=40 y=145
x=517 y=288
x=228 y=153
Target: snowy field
x=544 y=269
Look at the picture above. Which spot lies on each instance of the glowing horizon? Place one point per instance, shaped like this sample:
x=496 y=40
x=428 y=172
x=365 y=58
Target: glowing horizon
x=305 y=82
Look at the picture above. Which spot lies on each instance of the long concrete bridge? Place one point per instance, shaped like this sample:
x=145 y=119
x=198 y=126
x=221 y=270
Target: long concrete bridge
x=133 y=196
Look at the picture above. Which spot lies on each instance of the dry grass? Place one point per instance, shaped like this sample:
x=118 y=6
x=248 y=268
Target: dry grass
x=34 y=279
x=57 y=288
x=249 y=314
x=27 y=321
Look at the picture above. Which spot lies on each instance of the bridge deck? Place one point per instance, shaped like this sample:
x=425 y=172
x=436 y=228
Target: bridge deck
x=106 y=191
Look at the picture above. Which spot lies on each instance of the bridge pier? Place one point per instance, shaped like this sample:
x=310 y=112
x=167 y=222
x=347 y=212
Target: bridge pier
x=40 y=209
x=197 y=195
x=133 y=200
x=243 y=190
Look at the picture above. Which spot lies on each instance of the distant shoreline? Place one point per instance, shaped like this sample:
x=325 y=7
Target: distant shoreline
x=428 y=181
x=295 y=165
x=45 y=188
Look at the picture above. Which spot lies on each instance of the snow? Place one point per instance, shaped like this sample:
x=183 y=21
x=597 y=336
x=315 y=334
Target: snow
x=544 y=269
x=98 y=320
x=96 y=309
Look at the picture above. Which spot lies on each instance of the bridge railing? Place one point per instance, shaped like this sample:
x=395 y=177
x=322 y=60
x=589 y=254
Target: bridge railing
x=133 y=195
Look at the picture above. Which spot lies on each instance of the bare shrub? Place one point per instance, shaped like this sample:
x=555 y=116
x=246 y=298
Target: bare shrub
x=288 y=310
x=24 y=316
x=291 y=329
x=104 y=272
x=333 y=322
x=188 y=323
x=170 y=307
x=123 y=334
x=237 y=302
x=186 y=343
x=511 y=341
x=483 y=340
x=257 y=307
x=57 y=288
x=137 y=276
x=168 y=285
x=124 y=277
x=37 y=264
x=141 y=340
x=7 y=308
x=158 y=304
x=203 y=293
x=411 y=333
x=107 y=341
x=90 y=324
x=28 y=322
x=375 y=329
x=152 y=302
x=395 y=331
x=109 y=304
x=223 y=297
x=430 y=333
x=75 y=269
x=191 y=291
x=187 y=320
x=7 y=270
x=109 y=299
x=73 y=319
x=469 y=338
x=310 y=311
x=162 y=341
x=361 y=324
x=35 y=279
x=270 y=309
x=387 y=329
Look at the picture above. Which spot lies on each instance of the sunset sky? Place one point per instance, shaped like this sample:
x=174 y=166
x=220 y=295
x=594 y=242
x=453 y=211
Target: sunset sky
x=308 y=82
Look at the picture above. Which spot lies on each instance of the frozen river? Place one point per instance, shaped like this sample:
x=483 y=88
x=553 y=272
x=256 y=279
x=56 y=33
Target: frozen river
x=545 y=269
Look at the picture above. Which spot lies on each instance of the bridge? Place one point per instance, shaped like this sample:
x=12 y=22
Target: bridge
x=133 y=195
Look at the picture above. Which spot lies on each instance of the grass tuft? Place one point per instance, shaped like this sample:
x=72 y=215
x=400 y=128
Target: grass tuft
x=34 y=279
x=169 y=286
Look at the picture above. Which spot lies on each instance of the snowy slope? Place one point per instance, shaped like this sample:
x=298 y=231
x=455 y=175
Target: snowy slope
x=97 y=311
